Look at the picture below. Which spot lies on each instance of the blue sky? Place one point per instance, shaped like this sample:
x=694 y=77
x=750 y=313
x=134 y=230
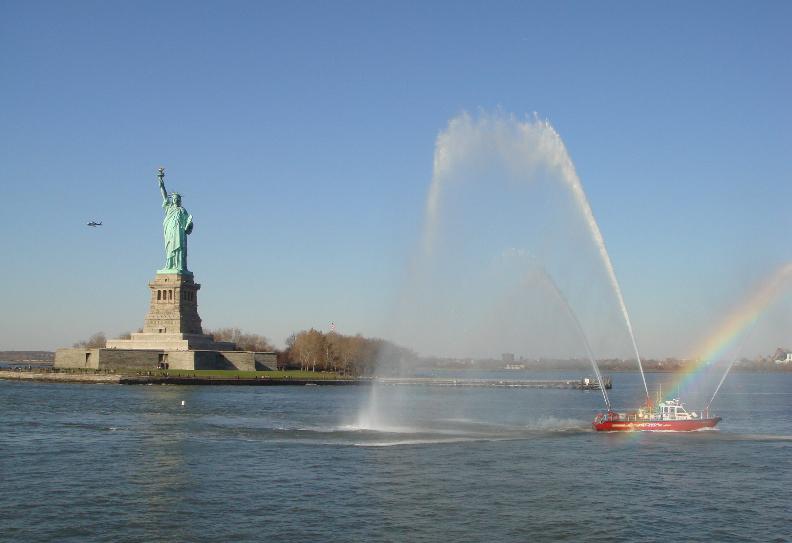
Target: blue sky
x=301 y=135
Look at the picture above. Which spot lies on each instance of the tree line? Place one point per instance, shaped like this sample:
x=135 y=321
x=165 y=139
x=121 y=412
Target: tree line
x=308 y=350
x=244 y=341
x=312 y=350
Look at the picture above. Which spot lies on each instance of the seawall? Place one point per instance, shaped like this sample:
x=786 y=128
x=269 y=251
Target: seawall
x=14 y=375
x=164 y=379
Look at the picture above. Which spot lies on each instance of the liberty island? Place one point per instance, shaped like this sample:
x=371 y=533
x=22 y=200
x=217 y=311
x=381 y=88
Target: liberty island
x=172 y=336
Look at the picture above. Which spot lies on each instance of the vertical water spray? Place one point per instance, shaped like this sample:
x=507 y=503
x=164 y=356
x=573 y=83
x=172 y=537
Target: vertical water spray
x=571 y=313
x=743 y=319
x=520 y=146
x=732 y=360
x=729 y=367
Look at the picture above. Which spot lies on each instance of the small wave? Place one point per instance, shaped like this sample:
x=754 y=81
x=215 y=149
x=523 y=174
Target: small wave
x=380 y=428
x=553 y=424
x=470 y=427
x=408 y=442
x=85 y=425
x=387 y=434
x=756 y=393
x=759 y=437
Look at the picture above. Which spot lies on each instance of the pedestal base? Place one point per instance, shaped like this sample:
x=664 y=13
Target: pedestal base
x=173 y=305
x=170 y=342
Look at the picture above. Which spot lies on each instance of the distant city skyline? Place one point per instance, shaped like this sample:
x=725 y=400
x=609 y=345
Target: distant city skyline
x=301 y=138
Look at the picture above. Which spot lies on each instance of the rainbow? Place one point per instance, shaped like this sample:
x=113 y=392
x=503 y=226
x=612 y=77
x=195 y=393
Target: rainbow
x=726 y=342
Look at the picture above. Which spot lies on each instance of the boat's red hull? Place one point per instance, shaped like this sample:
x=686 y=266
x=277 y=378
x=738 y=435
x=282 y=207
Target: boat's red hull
x=655 y=425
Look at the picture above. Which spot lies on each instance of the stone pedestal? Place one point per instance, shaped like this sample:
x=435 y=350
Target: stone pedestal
x=173 y=306
x=172 y=322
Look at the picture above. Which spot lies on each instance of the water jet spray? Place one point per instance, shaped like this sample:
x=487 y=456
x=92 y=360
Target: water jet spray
x=523 y=147
x=560 y=295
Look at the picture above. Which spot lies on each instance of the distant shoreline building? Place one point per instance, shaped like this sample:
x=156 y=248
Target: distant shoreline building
x=787 y=359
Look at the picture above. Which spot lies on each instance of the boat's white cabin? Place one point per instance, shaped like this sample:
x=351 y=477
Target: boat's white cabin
x=668 y=410
x=673 y=410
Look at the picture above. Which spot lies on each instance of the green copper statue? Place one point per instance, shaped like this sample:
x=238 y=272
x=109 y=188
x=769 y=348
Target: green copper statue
x=176 y=226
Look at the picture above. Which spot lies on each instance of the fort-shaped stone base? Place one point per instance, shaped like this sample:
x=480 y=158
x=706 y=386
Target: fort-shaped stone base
x=140 y=359
x=172 y=337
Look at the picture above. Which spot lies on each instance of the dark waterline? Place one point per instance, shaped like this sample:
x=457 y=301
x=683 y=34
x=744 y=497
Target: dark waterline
x=112 y=463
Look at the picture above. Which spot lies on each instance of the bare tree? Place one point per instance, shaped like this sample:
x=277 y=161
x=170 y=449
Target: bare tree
x=308 y=348
x=243 y=341
x=96 y=341
x=344 y=354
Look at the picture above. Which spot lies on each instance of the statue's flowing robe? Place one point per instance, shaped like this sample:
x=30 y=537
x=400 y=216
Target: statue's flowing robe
x=176 y=226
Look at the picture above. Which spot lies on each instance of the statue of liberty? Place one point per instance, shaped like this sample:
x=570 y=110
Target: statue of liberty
x=176 y=226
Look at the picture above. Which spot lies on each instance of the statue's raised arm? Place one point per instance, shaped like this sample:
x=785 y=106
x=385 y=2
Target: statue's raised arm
x=161 y=176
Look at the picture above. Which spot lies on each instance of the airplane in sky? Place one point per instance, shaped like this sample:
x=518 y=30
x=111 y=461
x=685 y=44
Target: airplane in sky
x=94 y=223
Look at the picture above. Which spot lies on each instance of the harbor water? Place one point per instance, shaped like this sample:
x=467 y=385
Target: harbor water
x=95 y=463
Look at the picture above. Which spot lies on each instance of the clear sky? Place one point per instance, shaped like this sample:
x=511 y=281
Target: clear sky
x=301 y=135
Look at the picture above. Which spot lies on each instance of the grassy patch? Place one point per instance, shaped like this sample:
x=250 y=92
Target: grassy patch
x=233 y=374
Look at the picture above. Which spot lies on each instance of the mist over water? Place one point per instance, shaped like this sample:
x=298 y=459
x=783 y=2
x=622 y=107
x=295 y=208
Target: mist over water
x=505 y=201
x=591 y=357
x=511 y=258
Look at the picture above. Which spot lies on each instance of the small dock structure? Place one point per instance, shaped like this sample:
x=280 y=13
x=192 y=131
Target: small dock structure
x=585 y=383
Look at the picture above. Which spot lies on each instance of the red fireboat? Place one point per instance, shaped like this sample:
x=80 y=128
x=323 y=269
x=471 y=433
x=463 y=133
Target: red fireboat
x=668 y=416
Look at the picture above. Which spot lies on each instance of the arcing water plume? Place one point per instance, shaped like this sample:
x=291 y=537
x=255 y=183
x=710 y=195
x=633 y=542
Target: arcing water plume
x=520 y=148
x=571 y=313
